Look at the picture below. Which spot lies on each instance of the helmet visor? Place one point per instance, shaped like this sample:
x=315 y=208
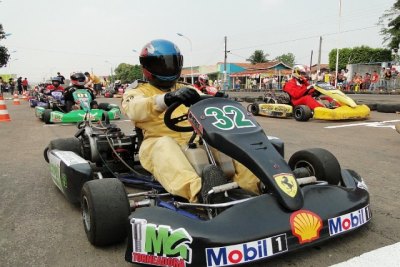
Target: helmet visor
x=163 y=65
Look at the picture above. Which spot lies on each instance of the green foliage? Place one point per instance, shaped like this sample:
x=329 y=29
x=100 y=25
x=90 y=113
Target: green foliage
x=390 y=23
x=362 y=54
x=258 y=57
x=128 y=73
x=288 y=59
x=4 y=56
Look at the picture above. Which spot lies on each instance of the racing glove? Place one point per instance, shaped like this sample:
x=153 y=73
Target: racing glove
x=186 y=96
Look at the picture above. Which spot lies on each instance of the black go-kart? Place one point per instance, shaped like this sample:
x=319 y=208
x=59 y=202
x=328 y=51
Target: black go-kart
x=307 y=200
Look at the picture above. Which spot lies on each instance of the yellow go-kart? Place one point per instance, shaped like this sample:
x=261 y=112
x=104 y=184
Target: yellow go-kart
x=343 y=107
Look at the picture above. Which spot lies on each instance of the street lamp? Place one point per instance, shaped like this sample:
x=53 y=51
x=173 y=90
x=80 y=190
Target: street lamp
x=191 y=54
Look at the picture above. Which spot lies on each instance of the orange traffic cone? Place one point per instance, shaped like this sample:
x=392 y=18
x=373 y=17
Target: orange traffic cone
x=16 y=100
x=25 y=96
x=4 y=116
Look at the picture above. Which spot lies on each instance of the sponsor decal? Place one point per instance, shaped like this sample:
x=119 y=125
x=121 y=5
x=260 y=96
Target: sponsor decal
x=287 y=183
x=195 y=123
x=56 y=117
x=306 y=225
x=160 y=245
x=349 y=221
x=59 y=178
x=246 y=252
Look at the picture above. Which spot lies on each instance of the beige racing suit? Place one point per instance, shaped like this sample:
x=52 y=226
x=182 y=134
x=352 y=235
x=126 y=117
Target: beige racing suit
x=160 y=152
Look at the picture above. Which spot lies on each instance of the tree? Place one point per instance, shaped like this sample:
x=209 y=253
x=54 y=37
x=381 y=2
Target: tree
x=288 y=59
x=258 y=57
x=4 y=56
x=362 y=54
x=391 y=32
x=128 y=73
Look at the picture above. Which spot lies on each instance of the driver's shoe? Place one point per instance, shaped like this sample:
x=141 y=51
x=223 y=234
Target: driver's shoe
x=212 y=176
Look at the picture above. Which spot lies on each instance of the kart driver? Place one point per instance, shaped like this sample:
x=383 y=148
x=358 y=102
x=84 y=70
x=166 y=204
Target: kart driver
x=160 y=152
x=54 y=86
x=300 y=91
x=78 y=80
x=202 y=83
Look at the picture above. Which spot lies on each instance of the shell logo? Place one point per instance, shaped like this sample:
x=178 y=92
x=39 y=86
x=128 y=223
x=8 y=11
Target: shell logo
x=306 y=225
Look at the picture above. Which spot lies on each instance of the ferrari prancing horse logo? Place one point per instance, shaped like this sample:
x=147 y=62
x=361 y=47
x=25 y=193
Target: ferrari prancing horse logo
x=286 y=183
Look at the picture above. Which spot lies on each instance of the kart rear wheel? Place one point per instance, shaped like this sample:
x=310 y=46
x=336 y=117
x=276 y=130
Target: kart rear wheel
x=66 y=144
x=302 y=113
x=319 y=162
x=47 y=115
x=105 y=211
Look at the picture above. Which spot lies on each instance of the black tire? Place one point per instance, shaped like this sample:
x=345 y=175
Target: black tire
x=104 y=106
x=105 y=211
x=67 y=144
x=302 y=113
x=388 y=108
x=319 y=162
x=105 y=118
x=46 y=116
x=254 y=108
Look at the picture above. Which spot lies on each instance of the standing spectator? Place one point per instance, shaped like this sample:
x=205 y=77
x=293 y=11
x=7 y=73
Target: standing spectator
x=327 y=77
x=25 y=84
x=61 y=77
x=19 y=85
x=374 y=81
x=1 y=86
x=237 y=84
x=11 y=83
x=366 y=82
x=93 y=83
x=387 y=76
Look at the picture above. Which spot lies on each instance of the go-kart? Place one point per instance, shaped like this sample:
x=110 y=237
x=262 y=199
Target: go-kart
x=54 y=100
x=343 y=107
x=83 y=109
x=304 y=201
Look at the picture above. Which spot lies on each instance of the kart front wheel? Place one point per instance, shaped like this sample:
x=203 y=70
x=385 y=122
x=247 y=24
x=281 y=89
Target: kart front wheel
x=105 y=211
x=254 y=108
x=319 y=162
x=302 y=113
x=47 y=116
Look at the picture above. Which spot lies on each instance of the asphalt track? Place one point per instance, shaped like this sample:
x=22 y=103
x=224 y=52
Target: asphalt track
x=39 y=228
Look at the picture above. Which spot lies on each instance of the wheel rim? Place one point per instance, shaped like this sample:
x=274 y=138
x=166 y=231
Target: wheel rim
x=305 y=164
x=297 y=113
x=85 y=213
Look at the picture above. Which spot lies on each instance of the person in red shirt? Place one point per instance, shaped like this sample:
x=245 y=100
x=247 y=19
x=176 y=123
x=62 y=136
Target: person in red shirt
x=374 y=81
x=299 y=89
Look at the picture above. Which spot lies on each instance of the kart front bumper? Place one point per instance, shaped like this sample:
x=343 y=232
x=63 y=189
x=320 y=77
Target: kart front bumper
x=276 y=110
x=247 y=232
x=342 y=113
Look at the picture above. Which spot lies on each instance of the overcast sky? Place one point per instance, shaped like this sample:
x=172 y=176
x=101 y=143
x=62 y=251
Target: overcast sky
x=96 y=35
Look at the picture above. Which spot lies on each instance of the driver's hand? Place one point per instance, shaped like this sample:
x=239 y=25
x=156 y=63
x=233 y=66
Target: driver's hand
x=186 y=96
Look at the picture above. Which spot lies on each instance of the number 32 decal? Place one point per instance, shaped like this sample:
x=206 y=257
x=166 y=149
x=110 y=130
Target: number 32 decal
x=224 y=122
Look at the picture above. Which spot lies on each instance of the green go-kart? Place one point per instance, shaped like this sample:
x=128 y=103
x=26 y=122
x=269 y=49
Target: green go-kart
x=83 y=109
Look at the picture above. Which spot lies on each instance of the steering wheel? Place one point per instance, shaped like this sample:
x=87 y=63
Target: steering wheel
x=172 y=123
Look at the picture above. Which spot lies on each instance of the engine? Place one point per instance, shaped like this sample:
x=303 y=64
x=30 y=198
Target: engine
x=106 y=145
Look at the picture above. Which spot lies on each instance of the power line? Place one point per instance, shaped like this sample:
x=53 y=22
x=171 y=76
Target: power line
x=303 y=38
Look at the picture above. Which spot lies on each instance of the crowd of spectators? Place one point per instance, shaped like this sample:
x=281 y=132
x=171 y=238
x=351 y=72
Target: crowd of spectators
x=381 y=80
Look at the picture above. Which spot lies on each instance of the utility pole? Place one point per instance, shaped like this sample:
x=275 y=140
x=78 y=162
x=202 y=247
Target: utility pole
x=312 y=51
x=226 y=52
x=319 y=55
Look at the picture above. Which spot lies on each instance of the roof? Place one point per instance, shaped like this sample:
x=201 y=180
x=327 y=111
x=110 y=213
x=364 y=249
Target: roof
x=267 y=68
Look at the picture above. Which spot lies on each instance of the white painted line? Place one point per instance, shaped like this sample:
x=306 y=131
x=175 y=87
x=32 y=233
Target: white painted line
x=370 y=124
x=385 y=256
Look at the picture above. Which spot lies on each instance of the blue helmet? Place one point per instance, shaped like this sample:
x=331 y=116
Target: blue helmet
x=162 y=63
